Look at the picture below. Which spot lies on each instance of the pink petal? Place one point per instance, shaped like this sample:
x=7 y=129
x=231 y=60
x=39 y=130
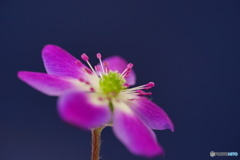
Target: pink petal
x=117 y=63
x=49 y=84
x=151 y=114
x=84 y=110
x=134 y=134
x=59 y=62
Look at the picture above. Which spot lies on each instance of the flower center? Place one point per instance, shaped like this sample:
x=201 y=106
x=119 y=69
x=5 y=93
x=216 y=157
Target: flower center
x=112 y=83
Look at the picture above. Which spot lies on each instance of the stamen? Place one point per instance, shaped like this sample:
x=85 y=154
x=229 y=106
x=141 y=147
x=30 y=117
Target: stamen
x=99 y=56
x=149 y=85
x=127 y=70
x=97 y=68
x=142 y=93
x=105 y=64
x=138 y=90
x=127 y=73
x=85 y=58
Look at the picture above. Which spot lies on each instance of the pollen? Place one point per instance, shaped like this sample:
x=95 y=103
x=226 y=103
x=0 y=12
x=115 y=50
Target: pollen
x=112 y=83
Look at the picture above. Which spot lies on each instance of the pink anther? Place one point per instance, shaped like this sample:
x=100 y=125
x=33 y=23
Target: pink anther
x=142 y=93
x=78 y=63
x=126 y=85
x=149 y=85
x=88 y=70
x=130 y=65
x=92 y=89
x=81 y=79
x=105 y=64
x=97 y=68
x=148 y=93
x=84 y=57
x=99 y=56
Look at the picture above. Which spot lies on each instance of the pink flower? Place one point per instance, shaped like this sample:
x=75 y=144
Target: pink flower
x=100 y=96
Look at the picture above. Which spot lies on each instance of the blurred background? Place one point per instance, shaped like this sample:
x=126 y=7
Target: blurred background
x=190 y=49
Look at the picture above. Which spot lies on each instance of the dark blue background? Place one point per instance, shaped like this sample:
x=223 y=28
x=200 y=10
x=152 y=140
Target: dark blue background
x=190 y=49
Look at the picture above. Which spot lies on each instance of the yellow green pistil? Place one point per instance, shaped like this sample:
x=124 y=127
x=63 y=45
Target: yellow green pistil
x=111 y=84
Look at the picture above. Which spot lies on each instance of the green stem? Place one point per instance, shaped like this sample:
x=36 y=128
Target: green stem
x=96 y=143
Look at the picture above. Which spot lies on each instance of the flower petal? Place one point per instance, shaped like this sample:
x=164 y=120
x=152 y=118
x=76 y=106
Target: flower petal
x=84 y=110
x=59 y=62
x=151 y=114
x=117 y=63
x=49 y=84
x=133 y=133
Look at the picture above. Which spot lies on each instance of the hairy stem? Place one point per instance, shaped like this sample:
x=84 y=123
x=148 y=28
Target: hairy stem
x=96 y=143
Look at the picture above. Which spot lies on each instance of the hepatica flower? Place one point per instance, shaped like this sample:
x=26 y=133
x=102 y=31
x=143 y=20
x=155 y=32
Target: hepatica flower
x=94 y=97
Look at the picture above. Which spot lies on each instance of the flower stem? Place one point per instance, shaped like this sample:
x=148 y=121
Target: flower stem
x=96 y=143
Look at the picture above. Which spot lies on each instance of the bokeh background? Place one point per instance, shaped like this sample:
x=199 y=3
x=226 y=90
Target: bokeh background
x=190 y=49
